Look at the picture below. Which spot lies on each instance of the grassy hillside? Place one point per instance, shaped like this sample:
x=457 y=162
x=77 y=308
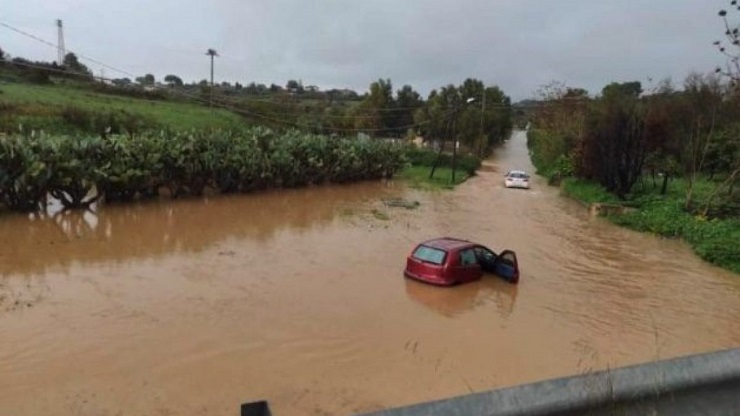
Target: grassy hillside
x=67 y=108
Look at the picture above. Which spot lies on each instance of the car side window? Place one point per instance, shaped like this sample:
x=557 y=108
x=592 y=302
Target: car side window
x=483 y=254
x=508 y=259
x=467 y=257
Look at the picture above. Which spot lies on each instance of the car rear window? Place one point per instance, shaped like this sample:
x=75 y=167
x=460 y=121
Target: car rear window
x=430 y=255
x=518 y=175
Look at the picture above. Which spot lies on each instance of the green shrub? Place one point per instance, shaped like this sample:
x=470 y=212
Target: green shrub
x=78 y=170
x=426 y=157
x=714 y=240
x=587 y=191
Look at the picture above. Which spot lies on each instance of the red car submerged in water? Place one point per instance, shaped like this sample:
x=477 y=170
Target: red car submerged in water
x=448 y=261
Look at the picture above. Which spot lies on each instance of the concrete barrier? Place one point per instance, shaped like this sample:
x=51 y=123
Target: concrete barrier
x=599 y=208
x=705 y=384
x=701 y=385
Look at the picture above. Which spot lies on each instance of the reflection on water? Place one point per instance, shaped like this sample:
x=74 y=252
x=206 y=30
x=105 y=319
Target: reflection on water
x=30 y=245
x=454 y=301
x=194 y=306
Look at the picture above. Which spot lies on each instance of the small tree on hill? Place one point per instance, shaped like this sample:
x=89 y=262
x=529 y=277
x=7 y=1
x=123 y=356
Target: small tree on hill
x=146 y=80
x=73 y=64
x=173 y=80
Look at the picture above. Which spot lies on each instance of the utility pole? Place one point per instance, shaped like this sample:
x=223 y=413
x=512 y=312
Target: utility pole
x=212 y=53
x=60 y=42
x=456 y=139
x=455 y=143
x=451 y=124
x=482 y=123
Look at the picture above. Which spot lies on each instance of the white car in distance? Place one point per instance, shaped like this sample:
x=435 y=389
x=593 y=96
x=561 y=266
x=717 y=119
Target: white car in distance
x=516 y=179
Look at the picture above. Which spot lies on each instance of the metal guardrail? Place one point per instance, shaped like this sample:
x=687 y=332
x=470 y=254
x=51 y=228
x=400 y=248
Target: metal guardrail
x=703 y=384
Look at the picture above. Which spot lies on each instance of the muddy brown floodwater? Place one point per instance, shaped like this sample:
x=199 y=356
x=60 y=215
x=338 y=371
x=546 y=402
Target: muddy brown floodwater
x=297 y=297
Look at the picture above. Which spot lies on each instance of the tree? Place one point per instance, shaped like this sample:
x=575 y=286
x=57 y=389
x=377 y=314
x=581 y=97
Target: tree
x=699 y=118
x=730 y=47
x=625 y=89
x=294 y=86
x=173 y=80
x=614 y=146
x=2 y=55
x=146 y=80
x=73 y=64
x=375 y=111
x=408 y=102
x=122 y=82
x=558 y=128
x=497 y=116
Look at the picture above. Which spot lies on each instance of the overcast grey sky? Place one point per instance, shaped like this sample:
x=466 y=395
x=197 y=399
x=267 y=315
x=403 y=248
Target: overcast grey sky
x=516 y=44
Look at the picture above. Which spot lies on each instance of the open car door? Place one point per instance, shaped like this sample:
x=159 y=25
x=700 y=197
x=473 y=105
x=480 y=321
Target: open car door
x=506 y=266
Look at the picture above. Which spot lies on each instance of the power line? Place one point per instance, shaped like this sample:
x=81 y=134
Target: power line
x=247 y=112
x=68 y=72
x=128 y=74
x=235 y=109
x=80 y=56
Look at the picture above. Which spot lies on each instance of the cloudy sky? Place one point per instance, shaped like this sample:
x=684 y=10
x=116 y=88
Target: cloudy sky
x=519 y=45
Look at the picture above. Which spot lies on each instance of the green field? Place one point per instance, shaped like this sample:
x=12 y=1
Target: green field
x=45 y=106
x=418 y=177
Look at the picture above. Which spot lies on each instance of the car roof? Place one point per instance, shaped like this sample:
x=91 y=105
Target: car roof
x=448 y=243
x=517 y=171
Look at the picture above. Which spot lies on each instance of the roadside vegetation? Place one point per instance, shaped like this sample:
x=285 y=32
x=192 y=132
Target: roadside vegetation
x=65 y=98
x=672 y=153
x=77 y=138
x=422 y=161
x=71 y=108
x=80 y=171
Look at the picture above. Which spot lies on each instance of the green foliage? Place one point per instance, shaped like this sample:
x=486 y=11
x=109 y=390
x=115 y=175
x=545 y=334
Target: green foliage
x=614 y=146
x=550 y=153
x=77 y=171
x=448 y=115
x=25 y=173
x=131 y=167
x=418 y=177
x=69 y=110
x=72 y=63
x=75 y=168
x=714 y=240
x=587 y=191
x=426 y=157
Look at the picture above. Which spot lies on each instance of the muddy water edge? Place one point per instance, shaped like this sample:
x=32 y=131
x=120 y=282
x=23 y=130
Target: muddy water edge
x=297 y=297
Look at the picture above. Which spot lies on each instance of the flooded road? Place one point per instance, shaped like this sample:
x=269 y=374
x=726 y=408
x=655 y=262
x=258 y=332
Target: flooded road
x=297 y=297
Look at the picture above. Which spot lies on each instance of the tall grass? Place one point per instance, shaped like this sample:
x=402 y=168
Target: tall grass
x=421 y=162
x=418 y=177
